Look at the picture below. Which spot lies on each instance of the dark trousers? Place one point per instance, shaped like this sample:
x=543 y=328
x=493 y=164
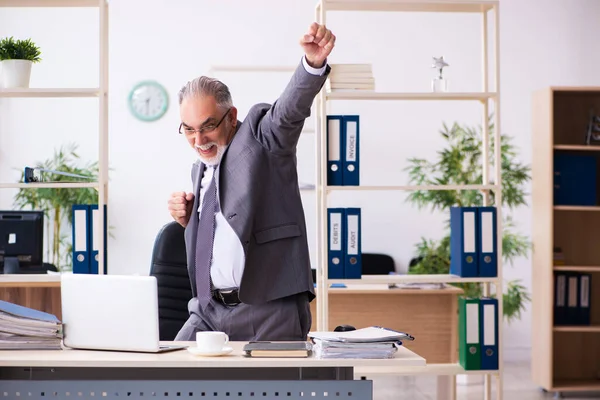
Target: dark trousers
x=283 y=319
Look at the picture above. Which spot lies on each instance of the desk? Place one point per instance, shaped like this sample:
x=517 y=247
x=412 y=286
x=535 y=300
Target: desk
x=78 y=374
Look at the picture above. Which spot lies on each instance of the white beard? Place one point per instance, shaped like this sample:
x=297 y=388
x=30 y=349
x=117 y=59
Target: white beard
x=214 y=160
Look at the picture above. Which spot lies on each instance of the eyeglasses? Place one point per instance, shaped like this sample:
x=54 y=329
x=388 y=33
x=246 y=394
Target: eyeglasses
x=207 y=128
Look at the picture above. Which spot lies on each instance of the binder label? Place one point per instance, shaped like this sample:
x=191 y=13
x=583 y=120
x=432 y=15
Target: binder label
x=353 y=235
x=334 y=140
x=469 y=232
x=351 y=141
x=487 y=235
x=560 y=292
x=472 y=323
x=335 y=237
x=80 y=222
x=585 y=296
x=489 y=318
x=573 y=291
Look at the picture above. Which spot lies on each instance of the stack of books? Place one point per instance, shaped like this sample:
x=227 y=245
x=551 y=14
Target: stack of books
x=367 y=343
x=347 y=77
x=23 y=328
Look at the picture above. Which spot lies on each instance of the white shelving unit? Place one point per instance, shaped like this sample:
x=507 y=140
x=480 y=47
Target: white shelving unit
x=100 y=92
x=485 y=97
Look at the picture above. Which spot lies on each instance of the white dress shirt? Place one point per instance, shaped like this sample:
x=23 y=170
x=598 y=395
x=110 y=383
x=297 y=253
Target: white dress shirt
x=227 y=265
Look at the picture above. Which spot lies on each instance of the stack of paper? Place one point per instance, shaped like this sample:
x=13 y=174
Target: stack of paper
x=372 y=342
x=23 y=328
x=345 y=77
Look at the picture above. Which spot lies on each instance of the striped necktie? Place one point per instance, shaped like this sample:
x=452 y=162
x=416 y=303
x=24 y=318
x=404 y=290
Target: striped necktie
x=204 y=243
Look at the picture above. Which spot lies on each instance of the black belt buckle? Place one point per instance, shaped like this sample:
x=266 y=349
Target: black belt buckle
x=228 y=297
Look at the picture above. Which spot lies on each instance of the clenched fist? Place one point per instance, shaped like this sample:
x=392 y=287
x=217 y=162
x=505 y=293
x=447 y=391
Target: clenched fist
x=180 y=207
x=317 y=43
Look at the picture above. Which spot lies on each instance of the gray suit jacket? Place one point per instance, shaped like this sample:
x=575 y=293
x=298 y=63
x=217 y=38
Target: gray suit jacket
x=257 y=183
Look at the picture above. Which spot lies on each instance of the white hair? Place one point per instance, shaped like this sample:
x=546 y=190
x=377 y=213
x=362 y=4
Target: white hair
x=205 y=86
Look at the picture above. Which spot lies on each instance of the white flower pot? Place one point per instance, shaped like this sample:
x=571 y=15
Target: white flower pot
x=15 y=73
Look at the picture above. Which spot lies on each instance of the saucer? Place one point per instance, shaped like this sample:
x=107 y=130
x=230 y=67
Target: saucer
x=197 y=352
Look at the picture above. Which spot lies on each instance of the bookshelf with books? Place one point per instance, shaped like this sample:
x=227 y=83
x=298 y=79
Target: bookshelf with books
x=356 y=82
x=74 y=93
x=565 y=225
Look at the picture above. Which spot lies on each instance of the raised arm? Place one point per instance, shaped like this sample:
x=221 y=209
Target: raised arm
x=280 y=128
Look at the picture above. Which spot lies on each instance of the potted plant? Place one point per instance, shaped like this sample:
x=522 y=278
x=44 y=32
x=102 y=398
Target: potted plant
x=16 y=59
x=460 y=164
x=57 y=202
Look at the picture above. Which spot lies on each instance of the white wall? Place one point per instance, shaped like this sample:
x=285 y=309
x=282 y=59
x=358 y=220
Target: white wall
x=542 y=43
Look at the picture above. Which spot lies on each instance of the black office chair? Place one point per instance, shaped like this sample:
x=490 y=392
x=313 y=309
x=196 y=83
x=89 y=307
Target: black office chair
x=169 y=266
x=377 y=264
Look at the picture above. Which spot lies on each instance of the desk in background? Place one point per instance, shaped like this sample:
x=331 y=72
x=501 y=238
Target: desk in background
x=430 y=315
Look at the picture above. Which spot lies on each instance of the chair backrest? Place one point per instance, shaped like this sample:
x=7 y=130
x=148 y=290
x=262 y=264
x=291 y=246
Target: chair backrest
x=377 y=264
x=372 y=264
x=169 y=266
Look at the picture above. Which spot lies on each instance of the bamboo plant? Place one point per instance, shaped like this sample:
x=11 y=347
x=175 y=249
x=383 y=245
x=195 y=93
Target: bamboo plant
x=57 y=202
x=460 y=163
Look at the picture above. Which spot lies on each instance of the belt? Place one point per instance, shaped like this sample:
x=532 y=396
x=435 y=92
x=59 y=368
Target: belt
x=228 y=297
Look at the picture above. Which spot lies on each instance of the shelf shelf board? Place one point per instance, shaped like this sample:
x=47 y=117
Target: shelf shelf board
x=581 y=268
x=57 y=185
x=467 y=6
x=372 y=95
x=576 y=328
x=49 y=3
x=576 y=385
x=49 y=92
x=577 y=208
x=412 y=188
x=436 y=278
x=574 y=147
x=429 y=369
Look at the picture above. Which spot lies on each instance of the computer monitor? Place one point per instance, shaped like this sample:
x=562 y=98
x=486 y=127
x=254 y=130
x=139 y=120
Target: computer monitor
x=21 y=241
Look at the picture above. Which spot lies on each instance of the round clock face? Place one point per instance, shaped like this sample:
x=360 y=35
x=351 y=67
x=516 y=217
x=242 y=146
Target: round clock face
x=148 y=101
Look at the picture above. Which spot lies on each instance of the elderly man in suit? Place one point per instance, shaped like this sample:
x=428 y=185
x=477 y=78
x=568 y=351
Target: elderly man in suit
x=245 y=229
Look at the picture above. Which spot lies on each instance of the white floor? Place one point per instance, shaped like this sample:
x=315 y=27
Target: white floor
x=517 y=386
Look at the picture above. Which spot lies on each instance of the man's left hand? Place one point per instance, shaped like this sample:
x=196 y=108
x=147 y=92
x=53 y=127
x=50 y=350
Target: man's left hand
x=317 y=44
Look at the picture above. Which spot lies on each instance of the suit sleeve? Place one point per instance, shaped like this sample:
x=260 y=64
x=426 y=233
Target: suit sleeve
x=280 y=127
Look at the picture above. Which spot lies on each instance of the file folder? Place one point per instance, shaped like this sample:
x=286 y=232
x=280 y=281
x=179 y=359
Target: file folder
x=351 y=153
x=353 y=254
x=488 y=310
x=469 y=346
x=81 y=249
x=584 y=299
x=97 y=229
x=488 y=236
x=336 y=218
x=560 y=299
x=464 y=254
x=334 y=150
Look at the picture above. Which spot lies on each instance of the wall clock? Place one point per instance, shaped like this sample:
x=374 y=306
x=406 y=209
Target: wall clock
x=148 y=101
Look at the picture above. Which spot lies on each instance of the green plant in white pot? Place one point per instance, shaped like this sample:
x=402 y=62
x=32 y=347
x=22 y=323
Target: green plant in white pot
x=16 y=58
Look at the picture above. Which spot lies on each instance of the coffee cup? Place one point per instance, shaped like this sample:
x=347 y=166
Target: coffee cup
x=211 y=341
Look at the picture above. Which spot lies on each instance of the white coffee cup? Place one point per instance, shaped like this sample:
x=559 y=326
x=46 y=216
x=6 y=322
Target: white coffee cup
x=211 y=341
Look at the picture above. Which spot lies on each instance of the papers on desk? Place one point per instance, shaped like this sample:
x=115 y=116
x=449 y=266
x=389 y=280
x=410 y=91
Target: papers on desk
x=372 y=342
x=23 y=328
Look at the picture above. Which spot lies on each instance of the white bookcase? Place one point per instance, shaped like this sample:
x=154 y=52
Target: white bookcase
x=101 y=93
x=486 y=96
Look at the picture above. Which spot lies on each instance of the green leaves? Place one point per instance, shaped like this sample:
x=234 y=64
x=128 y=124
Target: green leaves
x=11 y=49
x=461 y=163
x=57 y=202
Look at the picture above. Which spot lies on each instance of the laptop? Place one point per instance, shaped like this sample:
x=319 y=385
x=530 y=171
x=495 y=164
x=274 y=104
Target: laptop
x=111 y=312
